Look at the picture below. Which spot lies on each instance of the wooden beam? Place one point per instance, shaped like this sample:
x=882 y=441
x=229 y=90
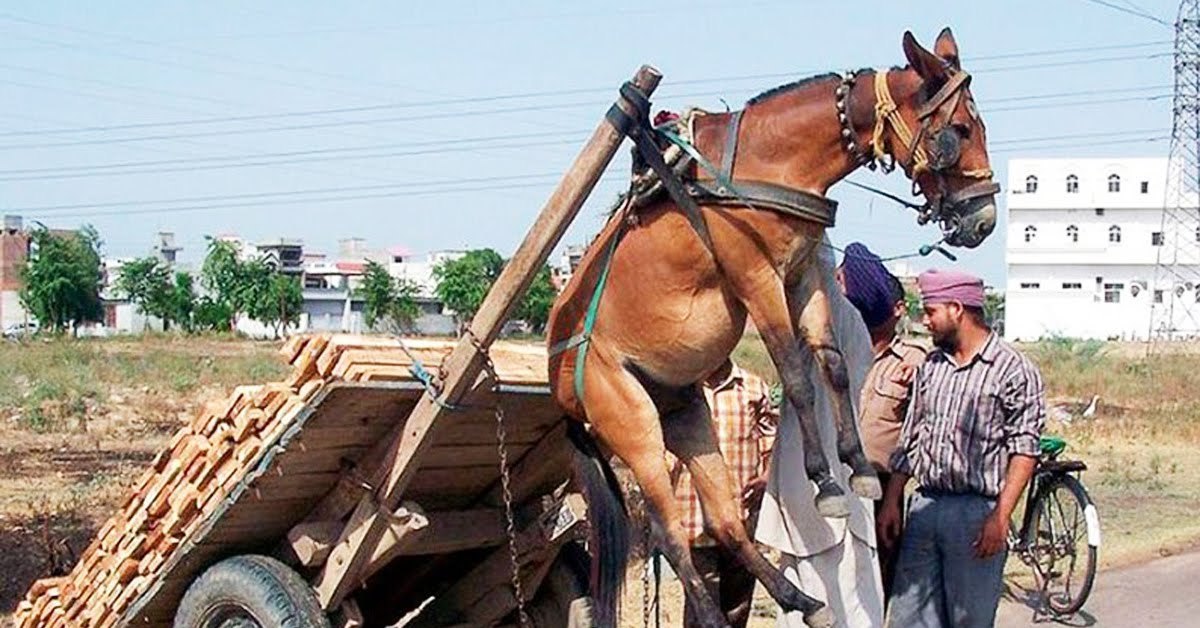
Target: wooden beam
x=440 y=532
x=485 y=594
x=391 y=474
x=309 y=544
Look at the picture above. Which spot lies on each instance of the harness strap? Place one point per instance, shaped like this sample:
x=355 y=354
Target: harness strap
x=767 y=196
x=887 y=112
x=731 y=141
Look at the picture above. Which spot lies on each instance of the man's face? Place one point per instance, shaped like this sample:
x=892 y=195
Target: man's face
x=942 y=320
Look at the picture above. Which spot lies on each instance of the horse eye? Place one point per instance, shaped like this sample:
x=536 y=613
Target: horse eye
x=963 y=130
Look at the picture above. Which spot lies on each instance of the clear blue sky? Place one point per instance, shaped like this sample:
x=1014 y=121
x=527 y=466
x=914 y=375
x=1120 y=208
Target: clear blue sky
x=399 y=74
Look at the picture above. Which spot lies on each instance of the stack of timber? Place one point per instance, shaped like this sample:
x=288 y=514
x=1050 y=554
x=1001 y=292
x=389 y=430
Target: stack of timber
x=190 y=485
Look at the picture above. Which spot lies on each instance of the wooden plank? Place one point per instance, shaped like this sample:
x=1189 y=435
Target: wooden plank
x=471 y=600
x=543 y=466
x=273 y=487
x=393 y=471
x=319 y=461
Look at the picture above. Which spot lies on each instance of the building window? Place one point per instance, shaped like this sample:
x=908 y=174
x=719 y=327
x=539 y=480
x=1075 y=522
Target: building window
x=1071 y=285
x=1030 y=285
x=1145 y=187
x=1112 y=292
x=1030 y=233
x=1030 y=184
x=1099 y=211
x=1072 y=184
x=1114 y=183
x=1198 y=233
x=1197 y=294
x=1156 y=238
x=1158 y=296
x=1114 y=234
x=1073 y=233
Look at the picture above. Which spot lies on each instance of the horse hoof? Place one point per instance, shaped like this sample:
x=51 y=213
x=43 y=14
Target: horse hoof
x=834 y=506
x=820 y=618
x=866 y=486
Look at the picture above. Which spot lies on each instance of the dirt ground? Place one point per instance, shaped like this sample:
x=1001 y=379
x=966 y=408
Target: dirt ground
x=79 y=420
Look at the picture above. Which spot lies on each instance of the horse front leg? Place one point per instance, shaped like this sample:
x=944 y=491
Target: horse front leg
x=816 y=329
x=768 y=308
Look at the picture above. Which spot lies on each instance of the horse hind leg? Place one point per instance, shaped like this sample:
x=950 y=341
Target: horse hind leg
x=816 y=328
x=690 y=435
x=625 y=419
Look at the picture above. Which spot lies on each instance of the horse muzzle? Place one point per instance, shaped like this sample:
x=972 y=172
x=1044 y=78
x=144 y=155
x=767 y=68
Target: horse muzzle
x=969 y=215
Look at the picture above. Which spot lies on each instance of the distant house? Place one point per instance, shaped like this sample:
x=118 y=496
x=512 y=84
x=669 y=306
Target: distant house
x=14 y=252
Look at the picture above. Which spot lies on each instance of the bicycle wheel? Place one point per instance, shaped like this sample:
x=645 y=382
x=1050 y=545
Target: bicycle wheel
x=1066 y=539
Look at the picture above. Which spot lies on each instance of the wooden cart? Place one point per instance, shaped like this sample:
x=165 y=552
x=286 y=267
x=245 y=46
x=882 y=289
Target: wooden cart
x=364 y=488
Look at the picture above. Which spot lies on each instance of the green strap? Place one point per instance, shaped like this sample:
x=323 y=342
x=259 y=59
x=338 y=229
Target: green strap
x=583 y=339
x=690 y=149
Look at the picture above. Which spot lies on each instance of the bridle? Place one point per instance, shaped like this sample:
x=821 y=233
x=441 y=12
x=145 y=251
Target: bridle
x=936 y=148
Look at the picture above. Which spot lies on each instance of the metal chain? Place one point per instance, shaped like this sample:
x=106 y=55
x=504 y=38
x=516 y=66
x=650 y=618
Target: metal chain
x=648 y=552
x=505 y=481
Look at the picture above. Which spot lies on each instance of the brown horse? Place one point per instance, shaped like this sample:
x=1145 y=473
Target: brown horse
x=673 y=308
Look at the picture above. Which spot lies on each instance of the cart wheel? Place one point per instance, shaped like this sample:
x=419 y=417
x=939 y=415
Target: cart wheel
x=250 y=592
x=563 y=600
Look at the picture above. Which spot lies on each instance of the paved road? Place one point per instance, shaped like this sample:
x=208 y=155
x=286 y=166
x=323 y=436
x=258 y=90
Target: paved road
x=1165 y=592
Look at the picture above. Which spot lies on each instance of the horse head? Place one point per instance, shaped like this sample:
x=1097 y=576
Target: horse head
x=946 y=156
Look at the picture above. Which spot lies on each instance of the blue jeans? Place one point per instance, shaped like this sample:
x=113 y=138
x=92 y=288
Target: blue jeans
x=939 y=581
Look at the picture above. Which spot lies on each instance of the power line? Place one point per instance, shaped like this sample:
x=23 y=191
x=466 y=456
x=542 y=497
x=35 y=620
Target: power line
x=1082 y=103
x=549 y=93
x=112 y=170
x=1138 y=13
x=412 y=118
x=413 y=188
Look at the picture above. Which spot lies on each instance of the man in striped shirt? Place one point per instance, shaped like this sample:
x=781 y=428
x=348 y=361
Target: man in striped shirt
x=971 y=442
x=745 y=422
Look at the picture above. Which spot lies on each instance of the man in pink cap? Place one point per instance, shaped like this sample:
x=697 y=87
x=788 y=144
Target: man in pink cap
x=970 y=440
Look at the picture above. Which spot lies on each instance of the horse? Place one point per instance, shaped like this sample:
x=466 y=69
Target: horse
x=658 y=302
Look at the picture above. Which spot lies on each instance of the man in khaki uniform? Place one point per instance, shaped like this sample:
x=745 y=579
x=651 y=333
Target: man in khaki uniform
x=879 y=298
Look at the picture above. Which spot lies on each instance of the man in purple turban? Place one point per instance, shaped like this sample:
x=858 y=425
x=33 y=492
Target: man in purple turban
x=879 y=297
x=970 y=440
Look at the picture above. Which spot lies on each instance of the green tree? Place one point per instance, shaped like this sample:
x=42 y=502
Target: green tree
x=62 y=278
x=211 y=315
x=993 y=310
x=274 y=299
x=146 y=282
x=535 y=306
x=462 y=283
x=240 y=286
x=390 y=302
x=222 y=275
x=181 y=301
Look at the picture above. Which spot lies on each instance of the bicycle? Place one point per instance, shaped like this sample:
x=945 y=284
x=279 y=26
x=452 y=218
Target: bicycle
x=1059 y=535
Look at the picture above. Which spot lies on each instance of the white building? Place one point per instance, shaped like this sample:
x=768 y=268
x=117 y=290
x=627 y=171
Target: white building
x=1083 y=246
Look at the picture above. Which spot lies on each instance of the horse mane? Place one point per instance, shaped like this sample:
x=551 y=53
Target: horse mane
x=805 y=82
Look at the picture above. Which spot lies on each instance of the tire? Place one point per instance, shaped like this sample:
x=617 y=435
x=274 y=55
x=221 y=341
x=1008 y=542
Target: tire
x=250 y=591
x=1064 y=544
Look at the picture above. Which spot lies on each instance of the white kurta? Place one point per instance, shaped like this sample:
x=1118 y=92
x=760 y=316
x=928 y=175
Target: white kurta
x=830 y=559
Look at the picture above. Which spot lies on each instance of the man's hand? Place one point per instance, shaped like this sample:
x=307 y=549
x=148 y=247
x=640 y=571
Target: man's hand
x=887 y=527
x=753 y=492
x=904 y=374
x=993 y=536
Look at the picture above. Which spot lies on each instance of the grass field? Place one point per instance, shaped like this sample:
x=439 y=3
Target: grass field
x=79 y=419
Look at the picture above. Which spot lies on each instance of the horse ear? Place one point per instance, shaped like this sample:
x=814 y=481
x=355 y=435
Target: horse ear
x=946 y=48
x=927 y=64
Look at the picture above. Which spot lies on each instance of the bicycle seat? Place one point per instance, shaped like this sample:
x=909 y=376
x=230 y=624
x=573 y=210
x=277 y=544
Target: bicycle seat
x=1062 y=466
x=1051 y=446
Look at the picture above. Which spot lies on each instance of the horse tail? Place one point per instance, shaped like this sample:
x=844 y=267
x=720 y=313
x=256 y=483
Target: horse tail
x=608 y=523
